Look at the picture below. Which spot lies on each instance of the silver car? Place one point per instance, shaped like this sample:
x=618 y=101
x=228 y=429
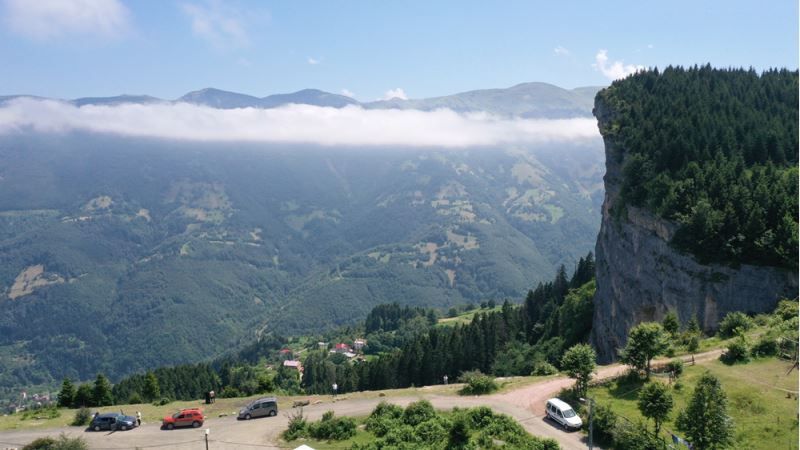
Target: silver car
x=267 y=406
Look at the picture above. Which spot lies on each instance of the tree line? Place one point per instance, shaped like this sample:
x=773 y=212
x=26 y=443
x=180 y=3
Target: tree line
x=511 y=341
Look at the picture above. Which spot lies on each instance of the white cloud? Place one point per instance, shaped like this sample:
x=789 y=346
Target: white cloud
x=51 y=19
x=617 y=69
x=221 y=24
x=395 y=93
x=313 y=61
x=561 y=51
x=348 y=93
x=650 y=45
x=353 y=125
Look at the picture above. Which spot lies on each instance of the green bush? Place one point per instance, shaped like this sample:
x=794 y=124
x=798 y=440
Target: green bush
x=82 y=417
x=734 y=323
x=544 y=368
x=297 y=428
x=477 y=383
x=604 y=422
x=766 y=346
x=636 y=437
x=737 y=351
x=45 y=443
x=332 y=428
x=430 y=432
x=163 y=401
x=384 y=417
x=786 y=309
x=675 y=367
x=418 y=412
x=62 y=443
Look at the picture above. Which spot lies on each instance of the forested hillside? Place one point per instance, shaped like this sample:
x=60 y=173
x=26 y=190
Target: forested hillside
x=405 y=346
x=106 y=242
x=716 y=151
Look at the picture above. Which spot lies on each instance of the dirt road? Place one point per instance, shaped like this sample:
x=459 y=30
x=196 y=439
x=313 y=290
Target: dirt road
x=525 y=404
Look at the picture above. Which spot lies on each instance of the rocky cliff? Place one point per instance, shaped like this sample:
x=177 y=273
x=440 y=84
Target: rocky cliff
x=640 y=277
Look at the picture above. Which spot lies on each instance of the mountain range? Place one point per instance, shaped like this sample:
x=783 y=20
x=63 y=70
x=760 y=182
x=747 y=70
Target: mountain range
x=523 y=100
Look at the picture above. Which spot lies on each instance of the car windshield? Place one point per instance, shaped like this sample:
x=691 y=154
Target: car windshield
x=569 y=413
x=176 y=415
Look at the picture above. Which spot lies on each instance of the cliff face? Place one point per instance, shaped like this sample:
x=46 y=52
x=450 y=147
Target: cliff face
x=640 y=277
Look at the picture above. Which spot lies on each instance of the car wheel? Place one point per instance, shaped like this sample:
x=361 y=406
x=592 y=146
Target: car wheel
x=272 y=413
x=195 y=424
x=170 y=426
x=124 y=428
x=97 y=428
x=247 y=417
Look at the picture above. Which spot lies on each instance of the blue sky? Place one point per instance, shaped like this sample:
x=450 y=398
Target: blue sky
x=67 y=49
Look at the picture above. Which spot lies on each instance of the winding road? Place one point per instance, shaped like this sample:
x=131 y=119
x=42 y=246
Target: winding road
x=525 y=404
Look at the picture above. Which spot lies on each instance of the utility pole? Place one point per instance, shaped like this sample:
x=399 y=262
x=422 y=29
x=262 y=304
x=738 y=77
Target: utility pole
x=590 y=401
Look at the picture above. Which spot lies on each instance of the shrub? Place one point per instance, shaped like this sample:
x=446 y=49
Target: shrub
x=477 y=383
x=480 y=416
x=418 y=412
x=297 y=428
x=737 y=351
x=786 y=309
x=675 y=367
x=45 y=443
x=332 y=428
x=135 y=399
x=82 y=417
x=605 y=420
x=62 y=443
x=766 y=346
x=430 y=432
x=383 y=418
x=692 y=343
x=544 y=368
x=163 y=401
x=636 y=437
x=734 y=323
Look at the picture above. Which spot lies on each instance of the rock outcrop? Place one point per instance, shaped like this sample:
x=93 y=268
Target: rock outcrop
x=640 y=277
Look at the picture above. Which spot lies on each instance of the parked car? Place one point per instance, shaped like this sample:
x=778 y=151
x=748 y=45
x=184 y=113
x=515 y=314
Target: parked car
x=192 y=417
x=562 y=413
x=112 y=422
x=267 y=406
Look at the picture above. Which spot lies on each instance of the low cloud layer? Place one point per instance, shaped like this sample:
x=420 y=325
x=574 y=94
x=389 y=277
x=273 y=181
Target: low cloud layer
x=352 y=126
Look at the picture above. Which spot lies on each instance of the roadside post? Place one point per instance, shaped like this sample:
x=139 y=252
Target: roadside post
x=590 y=401
x=207 y=430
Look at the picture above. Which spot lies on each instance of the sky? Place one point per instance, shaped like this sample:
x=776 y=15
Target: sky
x=372 y=49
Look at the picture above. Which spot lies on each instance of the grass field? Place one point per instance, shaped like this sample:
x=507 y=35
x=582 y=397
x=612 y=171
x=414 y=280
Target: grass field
x=764 y=412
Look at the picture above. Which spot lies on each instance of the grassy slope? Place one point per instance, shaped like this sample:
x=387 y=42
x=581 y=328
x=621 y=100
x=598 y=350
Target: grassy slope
x=763 y=415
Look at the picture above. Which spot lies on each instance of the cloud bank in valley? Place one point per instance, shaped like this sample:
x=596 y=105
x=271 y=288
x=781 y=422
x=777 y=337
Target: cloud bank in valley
x=353 y=125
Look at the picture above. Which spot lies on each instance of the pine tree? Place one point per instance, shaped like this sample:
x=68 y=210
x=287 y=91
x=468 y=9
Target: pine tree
x=670 y=323
x=152 y=389
x=66 y=397
x=101 y=391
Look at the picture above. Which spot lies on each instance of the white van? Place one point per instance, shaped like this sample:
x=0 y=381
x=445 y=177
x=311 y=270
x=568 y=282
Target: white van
x=562 y=413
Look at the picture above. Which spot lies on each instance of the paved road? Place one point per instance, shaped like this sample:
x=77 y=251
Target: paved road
x=525 y=404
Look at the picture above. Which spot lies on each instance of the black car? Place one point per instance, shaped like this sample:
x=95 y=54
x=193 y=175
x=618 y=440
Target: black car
x=112 y=422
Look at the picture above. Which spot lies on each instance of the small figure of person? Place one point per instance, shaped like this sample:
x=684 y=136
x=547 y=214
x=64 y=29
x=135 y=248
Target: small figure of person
x=335 y=388
x=444 y=378
x=213 y=396
x=138 y=418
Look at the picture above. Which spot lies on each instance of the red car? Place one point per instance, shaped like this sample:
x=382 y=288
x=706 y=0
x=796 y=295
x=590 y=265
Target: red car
x=192 y=417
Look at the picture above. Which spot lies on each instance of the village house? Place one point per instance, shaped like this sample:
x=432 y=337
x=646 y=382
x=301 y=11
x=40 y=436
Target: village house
x=293 y=364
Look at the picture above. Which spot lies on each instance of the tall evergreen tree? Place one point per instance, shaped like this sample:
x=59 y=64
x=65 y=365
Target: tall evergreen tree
x=66 y=397
x=101 y=391
x=705 y=420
